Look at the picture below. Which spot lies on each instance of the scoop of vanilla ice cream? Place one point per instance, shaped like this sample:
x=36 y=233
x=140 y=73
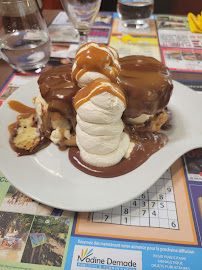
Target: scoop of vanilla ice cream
x=140 y=119
x=84 y=76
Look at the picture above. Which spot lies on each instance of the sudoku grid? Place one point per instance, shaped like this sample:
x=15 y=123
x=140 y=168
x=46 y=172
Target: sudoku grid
x=154 y=208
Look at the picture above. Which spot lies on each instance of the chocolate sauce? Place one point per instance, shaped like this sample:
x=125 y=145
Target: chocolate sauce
x=57 y=89
x=146 y=145
x=147 y=84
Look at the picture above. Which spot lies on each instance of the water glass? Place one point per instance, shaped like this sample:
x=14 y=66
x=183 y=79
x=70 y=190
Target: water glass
x=135 y=13
x=24 y=40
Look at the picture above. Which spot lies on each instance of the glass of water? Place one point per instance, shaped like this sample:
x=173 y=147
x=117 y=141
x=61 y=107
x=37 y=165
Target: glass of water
x=24 y=40
x=135 y=13
x=82 y=14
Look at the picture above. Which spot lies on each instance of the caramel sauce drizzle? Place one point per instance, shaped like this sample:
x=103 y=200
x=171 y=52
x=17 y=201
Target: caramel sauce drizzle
x=97 y=87
x=96 y=59
x=19 y=107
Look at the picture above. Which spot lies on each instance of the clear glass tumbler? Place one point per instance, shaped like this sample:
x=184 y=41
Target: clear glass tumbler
x=135 y=13
x=24 y=39
x=82 y=14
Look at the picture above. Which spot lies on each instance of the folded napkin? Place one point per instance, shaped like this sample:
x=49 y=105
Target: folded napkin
x=195 y=24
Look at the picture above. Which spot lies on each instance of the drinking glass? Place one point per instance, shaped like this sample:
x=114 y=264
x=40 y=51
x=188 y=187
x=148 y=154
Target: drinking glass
x=82 y=14
x=135 y=13
x=24 y=40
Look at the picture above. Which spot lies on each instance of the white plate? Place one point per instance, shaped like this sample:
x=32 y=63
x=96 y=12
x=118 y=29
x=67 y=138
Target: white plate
x=49 y=177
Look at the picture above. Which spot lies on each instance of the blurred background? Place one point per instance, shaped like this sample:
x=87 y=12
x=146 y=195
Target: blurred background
x=178 y=7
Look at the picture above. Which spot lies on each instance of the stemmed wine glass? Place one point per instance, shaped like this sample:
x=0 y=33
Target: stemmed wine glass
x=82 y=14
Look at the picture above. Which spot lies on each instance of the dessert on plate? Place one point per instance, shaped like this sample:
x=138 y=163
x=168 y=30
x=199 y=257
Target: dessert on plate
x=107 y=110
x=148 y=86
